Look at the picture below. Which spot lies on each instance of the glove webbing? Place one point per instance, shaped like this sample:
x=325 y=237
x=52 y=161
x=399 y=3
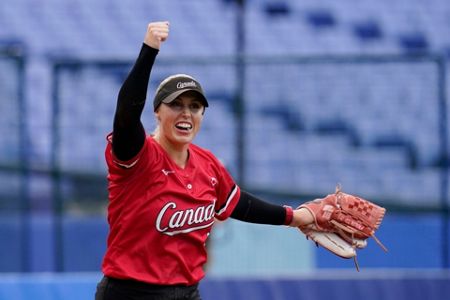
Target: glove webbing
x=351 y=230
x=344 y=229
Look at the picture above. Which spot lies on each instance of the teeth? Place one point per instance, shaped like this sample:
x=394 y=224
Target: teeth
x=184 y=126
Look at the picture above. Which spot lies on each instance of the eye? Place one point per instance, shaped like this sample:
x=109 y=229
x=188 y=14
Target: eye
x=176 y=104
x=195 y=106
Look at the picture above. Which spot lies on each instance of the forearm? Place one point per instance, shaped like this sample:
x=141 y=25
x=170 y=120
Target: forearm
x=254 y=210
x=134 y=89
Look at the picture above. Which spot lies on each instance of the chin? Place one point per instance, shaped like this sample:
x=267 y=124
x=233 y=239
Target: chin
x=182 y=140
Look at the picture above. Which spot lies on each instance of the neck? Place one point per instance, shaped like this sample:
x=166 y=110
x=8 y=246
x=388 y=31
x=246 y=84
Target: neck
x=178 y=153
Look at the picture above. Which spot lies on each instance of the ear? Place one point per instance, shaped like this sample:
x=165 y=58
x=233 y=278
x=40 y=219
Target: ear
x=157 y=116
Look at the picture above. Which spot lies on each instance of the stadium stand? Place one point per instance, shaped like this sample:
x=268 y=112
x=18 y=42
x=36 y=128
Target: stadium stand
x=372 y=129
x=112 y=29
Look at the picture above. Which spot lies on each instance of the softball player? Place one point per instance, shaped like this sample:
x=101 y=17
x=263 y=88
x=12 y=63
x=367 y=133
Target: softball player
x=164 y=191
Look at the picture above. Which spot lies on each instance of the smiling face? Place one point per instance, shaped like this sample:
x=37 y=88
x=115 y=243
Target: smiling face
x=179 y=121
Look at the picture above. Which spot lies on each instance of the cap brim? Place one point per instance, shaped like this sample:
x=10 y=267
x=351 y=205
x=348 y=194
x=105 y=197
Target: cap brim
x=175 y=95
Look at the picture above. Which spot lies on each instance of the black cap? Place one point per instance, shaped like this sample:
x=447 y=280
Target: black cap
x=175 y=85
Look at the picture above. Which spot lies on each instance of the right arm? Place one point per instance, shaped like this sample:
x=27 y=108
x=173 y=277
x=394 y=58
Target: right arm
x=128 y=131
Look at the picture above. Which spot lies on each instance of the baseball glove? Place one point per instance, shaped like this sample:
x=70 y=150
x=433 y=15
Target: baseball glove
x=343 y=223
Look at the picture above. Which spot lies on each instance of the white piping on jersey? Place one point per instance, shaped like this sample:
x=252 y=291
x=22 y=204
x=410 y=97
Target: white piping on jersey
x=233 y=193
x=171 y=233
x=127 y=166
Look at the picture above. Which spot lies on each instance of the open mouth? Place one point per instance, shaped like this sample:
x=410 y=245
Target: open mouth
x=183 y=126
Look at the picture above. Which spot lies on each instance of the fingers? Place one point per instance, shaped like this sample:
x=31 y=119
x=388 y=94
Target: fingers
x=159 y=29
x=157 y=32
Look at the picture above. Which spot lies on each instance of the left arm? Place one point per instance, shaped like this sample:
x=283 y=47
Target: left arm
x=254 y=210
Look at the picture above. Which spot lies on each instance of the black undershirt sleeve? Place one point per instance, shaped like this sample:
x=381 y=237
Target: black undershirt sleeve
x=253 y=210
x=128 y=131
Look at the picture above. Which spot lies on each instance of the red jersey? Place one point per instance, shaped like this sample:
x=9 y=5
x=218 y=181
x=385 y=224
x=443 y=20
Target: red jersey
x=161 y=215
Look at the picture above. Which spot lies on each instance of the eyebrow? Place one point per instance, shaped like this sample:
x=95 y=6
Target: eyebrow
x=195 y=100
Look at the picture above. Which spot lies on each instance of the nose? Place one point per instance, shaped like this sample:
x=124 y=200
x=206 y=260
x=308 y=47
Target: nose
x=186 y=110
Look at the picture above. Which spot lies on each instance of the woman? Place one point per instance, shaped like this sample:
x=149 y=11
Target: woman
x=165 y=192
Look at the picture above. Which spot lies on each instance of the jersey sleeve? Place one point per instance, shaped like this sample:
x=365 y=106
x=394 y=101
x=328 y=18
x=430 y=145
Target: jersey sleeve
x=116 y=165
x=228 y=193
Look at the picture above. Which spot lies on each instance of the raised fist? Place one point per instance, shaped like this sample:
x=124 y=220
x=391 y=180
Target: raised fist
x=157 y=32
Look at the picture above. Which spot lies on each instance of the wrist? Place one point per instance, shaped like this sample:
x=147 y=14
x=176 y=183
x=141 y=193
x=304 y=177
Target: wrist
x=289 y=215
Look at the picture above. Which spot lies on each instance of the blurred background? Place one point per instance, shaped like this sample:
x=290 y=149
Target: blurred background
x=305 y=95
